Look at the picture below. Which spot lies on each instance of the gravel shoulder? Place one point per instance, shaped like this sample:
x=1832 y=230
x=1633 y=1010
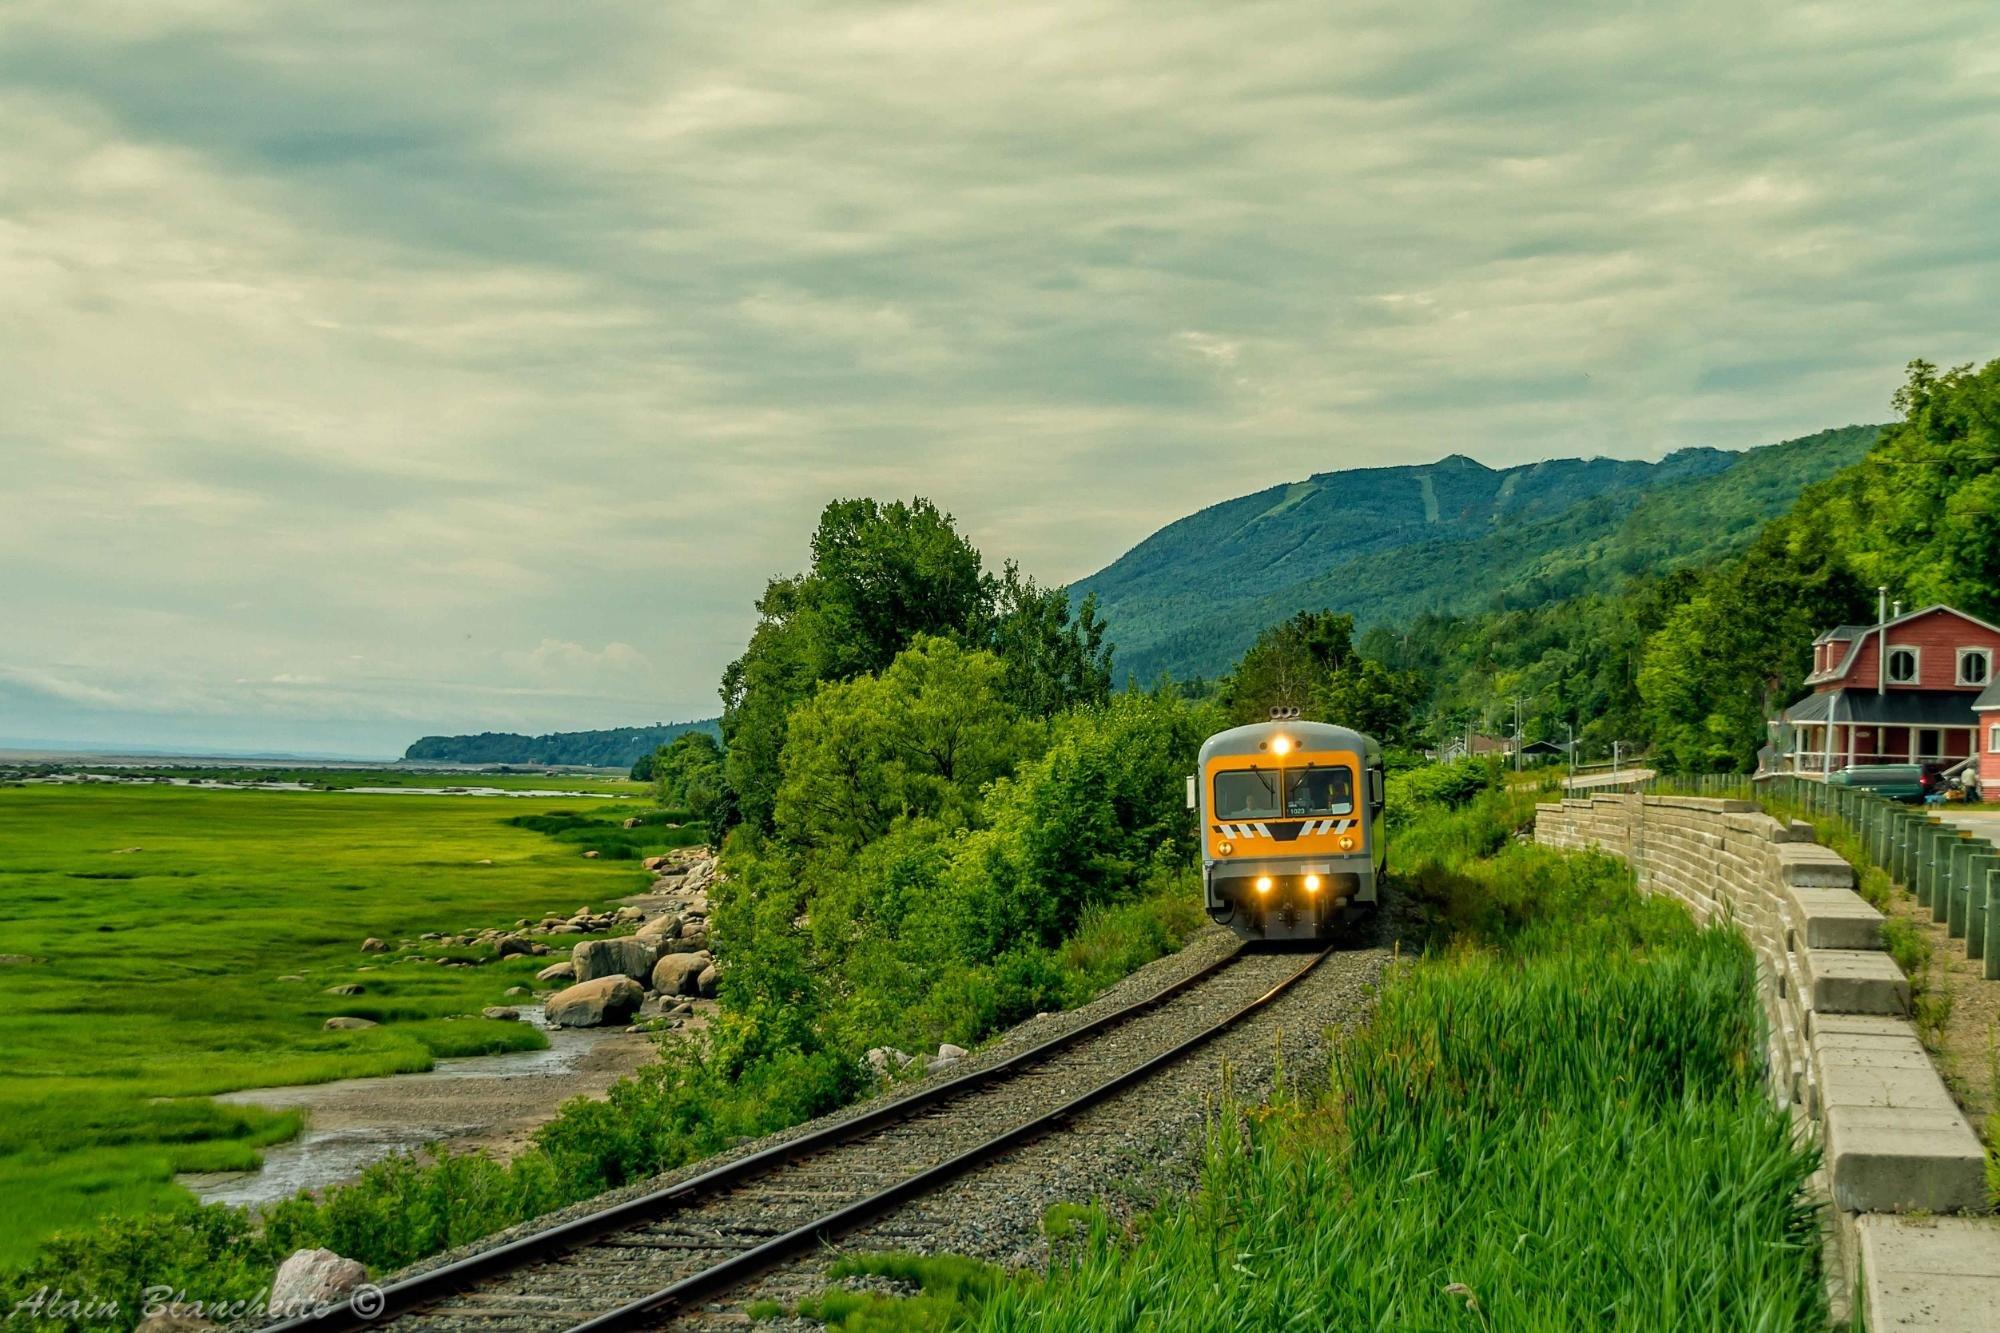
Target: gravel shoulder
x=1125 y=1154
x=1205 y=948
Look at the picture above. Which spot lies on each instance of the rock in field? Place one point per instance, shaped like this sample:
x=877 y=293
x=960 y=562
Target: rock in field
x=705 y=983
x=947 y=1056
x=501 y=1013
x=660 y=929
x=510 y=945
x=373 y=945
x=590 y=855
x=589 y=1004
x=625 y=956
x=347 y=989
x=311 y=1278
x=633 y=822
x=564 y=971
x=680 y=973
x=348 y=1023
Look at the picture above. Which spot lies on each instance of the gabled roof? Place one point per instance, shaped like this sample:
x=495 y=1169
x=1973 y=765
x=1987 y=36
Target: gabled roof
x=1853 y=635
x=1990 y=696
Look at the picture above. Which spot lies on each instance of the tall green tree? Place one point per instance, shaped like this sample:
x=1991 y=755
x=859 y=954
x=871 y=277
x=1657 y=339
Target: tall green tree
x=687 y=775
x=1053 y=660
x=1310 y=662
x=921 y=740
x=880 y=576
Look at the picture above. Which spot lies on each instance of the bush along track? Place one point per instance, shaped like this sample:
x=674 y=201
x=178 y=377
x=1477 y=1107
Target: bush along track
x=1555 y=1120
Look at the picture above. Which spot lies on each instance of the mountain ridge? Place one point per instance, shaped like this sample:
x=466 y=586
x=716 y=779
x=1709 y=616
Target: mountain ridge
x=1387 y=543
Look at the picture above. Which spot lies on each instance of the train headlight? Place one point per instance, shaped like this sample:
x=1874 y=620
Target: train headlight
x=1281 y=745
x=1312 y=883
x=1225 y=847
x=1263 y=883
x=1346 y=842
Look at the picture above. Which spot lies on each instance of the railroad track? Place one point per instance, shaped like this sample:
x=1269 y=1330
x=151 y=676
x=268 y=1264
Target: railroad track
x=638 y=1263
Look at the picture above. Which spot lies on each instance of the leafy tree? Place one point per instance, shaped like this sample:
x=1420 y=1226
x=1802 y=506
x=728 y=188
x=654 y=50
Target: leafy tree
x=880 y=576
x=1310 y=662
x=687 y=775
x=919 y=741
x=1053 y=661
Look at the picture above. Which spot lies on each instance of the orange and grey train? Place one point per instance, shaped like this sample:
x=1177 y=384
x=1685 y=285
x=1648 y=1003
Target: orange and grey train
x=1291 y=819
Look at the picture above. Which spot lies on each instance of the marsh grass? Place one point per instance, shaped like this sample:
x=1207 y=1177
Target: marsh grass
x=157 y=975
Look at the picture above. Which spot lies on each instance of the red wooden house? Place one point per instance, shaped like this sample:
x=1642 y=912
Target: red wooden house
x=1898 y=692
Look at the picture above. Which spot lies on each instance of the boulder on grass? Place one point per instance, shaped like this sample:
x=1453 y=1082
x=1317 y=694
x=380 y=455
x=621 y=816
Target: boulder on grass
x=348 y=1023
x=705 y=983
x=623 y=956
x=591 y=1004
x=563 y=971
x=312 y=1278
x=501 y=1013
x=510 y=945
x=660 y=929
x=680 y=973
x=348 y=988
x=373 y=945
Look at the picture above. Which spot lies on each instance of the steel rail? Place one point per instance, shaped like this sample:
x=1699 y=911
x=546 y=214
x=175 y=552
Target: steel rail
x=422 y=1289
x=648 y=1311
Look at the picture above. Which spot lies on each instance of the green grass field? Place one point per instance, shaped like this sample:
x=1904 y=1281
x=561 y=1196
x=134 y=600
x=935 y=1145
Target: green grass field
x=337 y=779
x=155 y=972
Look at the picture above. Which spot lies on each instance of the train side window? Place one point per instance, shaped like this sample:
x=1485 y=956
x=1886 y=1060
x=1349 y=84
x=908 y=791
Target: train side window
x=1319 y=791
x=1246 y=794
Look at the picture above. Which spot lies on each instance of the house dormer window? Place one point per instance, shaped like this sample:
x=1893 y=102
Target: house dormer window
x=1975 y=665
x=1903 y=665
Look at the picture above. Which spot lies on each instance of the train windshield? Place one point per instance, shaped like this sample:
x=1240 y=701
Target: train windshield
x=1246 y=794
x=1319 y=791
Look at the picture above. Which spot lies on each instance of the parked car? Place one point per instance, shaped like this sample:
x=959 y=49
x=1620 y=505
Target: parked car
x=1898 y=782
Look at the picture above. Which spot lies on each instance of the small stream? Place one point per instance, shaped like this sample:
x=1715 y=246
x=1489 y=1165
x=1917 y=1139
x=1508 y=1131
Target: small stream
x=482 y=1100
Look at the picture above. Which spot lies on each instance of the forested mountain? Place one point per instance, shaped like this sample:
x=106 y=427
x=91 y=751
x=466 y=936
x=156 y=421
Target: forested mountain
x=619 y=747
x=1386 y=545
x=1690 y=661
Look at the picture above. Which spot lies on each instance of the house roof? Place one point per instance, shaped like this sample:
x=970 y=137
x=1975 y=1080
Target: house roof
x=1544 y=747
x=1852 y=636
x=1898 y=708
x=1990 y=696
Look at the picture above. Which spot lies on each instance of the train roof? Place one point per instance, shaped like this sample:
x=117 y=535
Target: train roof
x=1306 y=735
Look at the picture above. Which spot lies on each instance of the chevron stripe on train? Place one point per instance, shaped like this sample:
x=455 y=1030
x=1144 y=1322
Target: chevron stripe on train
x=1282 y=832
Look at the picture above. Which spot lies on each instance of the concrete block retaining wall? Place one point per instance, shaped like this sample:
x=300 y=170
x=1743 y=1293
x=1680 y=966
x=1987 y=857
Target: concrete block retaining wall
x=1843 y=1054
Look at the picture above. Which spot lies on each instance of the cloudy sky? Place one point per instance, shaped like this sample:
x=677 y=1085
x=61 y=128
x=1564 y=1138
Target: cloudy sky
x=369 y=369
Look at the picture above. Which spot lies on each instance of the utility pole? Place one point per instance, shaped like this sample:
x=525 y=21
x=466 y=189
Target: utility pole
x=1617 y=763
x=1570 y=727
x=1517 y=733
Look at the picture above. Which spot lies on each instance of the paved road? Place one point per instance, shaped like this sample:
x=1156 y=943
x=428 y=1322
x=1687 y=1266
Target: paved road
x=1979 y=823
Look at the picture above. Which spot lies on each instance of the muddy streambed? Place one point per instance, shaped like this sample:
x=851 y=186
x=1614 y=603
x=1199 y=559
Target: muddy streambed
x=485 y=1101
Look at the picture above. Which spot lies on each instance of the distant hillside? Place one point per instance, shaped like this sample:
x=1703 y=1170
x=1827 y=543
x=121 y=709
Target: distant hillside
x=620 y=747
x=1386 y=544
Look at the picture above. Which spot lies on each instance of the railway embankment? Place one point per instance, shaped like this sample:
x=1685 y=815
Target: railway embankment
x=1903 y=1170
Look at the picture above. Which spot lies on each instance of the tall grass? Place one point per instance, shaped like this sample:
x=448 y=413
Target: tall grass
x=1555 y=1119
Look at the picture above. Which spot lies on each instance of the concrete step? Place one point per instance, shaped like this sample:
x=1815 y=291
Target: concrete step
x=1832 y=919
x=1894 y=1159
x=1938 y=1273
x=1855 y=981
x=1808 y=865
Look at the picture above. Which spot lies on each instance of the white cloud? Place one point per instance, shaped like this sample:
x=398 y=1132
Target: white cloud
x=367 y=344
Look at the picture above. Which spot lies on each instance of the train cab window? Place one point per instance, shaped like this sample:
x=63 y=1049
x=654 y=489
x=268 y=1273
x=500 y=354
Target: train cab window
x=1246 y=794
x=1319 y=791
